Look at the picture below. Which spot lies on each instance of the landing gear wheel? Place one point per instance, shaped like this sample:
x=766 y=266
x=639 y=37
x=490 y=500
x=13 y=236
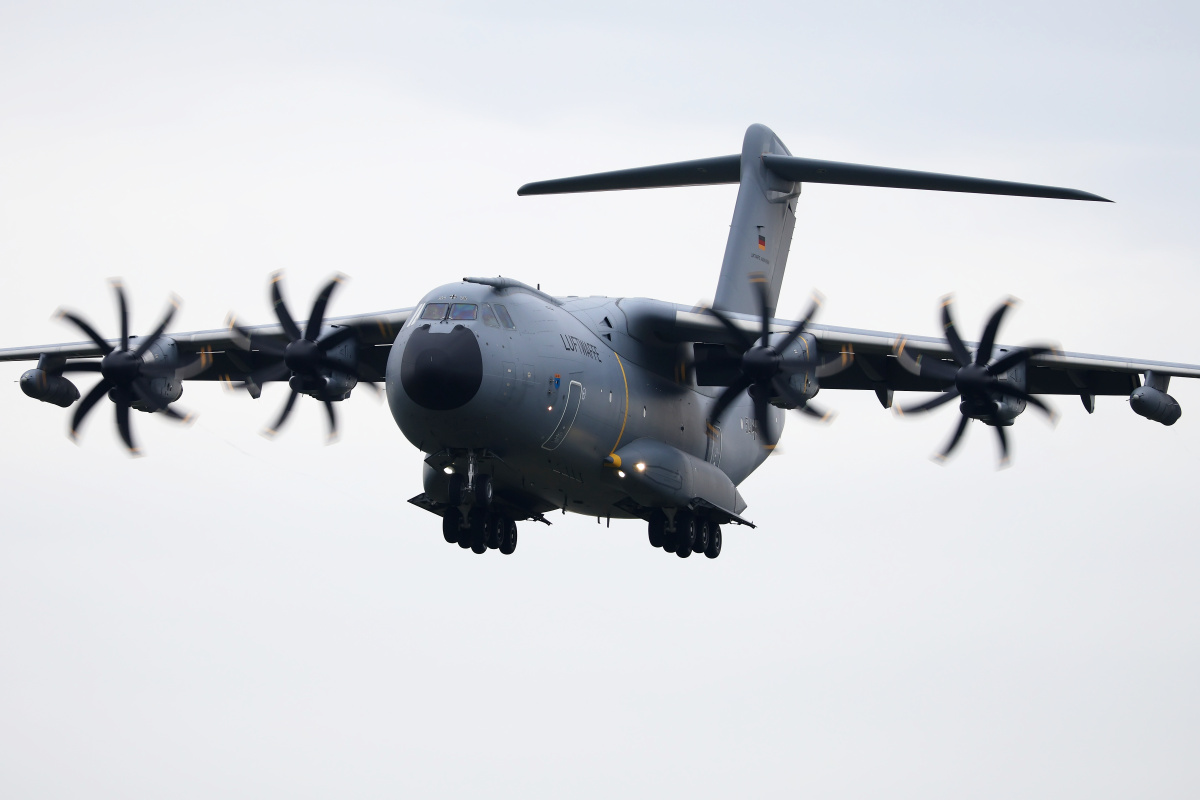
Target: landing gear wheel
x=483 y=491
x=495 y=531
x=510 y=537
x=685 y=533
x=454 y=490
x=670 y=539
x=714 y=542
x=658 y=529
x=451 y=523
x=478 y=533
x=703 y=532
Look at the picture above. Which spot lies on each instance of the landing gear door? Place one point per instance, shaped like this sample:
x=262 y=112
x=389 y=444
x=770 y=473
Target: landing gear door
x=570 y=410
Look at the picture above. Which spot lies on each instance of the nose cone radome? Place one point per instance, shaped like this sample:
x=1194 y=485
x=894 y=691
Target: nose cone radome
x=441 y=371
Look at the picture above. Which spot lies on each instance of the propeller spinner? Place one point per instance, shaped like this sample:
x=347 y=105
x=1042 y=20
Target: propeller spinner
x=976 y=379
x=125 y=376
x=764 y=368
x=307 y=359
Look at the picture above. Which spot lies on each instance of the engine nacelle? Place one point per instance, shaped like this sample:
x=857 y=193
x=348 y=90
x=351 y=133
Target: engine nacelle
x=166 y=388
x=1154 y=404
x=49 y=387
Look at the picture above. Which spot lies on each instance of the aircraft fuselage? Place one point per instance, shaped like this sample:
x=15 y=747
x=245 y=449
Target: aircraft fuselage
x=543 y=390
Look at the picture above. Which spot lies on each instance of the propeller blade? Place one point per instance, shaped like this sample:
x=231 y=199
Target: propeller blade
x=372 y=385
x=271 y=372
x=142 y=389
x=281 y=310
x=162 y=327
x=1003 y=444
x=954 y=440
x=198 y=363
x=1018 y=357
x=762 y=405
x=88 y=331
x=287 y=409
x=961 y=354
x=122 y=404
x=332 y=420
x=123 y=312
x=317 y=317
x=834 y=365
x=801 y=404
x=816 y=413
x=929 y=405
x=1021 y=394
x=726 y=398
x=738 y=334
x=85 y=405
x=338 y=336
x=924 y=366
x=984 y=354
x=799 y=327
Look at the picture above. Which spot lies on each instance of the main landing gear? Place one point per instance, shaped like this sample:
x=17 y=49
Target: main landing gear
x=691 y=533
x=482 y=528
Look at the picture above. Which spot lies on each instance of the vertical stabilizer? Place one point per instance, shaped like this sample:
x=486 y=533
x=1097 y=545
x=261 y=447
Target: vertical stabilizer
x=761 y=233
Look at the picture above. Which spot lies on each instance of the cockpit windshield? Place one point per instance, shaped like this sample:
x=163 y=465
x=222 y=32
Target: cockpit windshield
x=435 y=311
x=462 y=312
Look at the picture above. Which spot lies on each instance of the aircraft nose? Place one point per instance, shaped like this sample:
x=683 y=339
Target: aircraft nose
x=441 y=371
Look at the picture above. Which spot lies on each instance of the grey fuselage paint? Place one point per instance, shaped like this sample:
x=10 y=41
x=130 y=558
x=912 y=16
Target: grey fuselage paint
x=627 y=388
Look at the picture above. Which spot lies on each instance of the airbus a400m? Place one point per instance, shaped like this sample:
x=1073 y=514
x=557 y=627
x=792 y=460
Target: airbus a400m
x=627 y=408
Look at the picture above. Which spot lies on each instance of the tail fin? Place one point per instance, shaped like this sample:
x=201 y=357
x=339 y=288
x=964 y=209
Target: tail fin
x=765 y=213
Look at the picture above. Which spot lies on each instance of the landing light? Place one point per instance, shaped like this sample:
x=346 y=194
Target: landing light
x=448 y=470
x=641 y=466
x=549 y=408
x=620 y=473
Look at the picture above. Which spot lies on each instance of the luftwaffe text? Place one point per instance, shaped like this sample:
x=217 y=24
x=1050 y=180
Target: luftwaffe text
x=579 y=346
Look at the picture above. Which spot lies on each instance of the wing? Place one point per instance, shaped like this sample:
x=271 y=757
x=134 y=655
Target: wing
x=228 y=354
x=878 y=367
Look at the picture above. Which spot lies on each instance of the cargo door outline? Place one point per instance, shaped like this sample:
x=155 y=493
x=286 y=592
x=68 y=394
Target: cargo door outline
x=570 y=411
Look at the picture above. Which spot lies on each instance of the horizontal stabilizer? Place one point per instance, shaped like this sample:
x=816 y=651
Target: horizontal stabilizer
x=701 y=172
x=811 y=170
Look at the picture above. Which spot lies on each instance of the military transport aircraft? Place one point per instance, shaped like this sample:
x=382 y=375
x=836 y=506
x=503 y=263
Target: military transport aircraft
x=619 y=408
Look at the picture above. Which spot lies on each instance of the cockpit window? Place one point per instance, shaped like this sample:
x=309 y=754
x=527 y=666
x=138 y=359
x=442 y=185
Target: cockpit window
x=462 y=312
x=489 y=316
x=435 y=311
x=505 y=318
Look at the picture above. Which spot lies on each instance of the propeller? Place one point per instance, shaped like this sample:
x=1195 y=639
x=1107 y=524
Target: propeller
x=125 y=377
x=306 y=359
x=975 y=378
x=764 y=368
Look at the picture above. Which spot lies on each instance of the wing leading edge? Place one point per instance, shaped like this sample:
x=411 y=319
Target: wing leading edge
x=223 y=350
x=877 y=367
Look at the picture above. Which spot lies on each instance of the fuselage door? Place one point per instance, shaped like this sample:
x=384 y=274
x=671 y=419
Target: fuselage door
x=713 y=454
x=570 y=410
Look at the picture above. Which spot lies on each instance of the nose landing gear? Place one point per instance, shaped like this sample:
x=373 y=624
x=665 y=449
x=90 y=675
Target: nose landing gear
x=482 y=528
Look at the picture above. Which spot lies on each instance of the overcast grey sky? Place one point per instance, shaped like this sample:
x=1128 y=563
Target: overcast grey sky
x=248 y=618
